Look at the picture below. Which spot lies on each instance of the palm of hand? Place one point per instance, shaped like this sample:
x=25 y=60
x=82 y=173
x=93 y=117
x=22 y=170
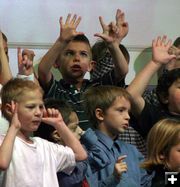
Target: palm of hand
x=160 y=54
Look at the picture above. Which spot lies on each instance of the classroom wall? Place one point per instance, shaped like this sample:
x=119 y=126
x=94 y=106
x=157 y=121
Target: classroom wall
x=34 y=24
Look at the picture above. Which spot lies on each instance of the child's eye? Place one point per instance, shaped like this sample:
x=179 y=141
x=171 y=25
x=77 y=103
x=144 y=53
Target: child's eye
x=121 y=110
x=69 y=53
x=30 y=106
x=41 y=107
x=84 y=54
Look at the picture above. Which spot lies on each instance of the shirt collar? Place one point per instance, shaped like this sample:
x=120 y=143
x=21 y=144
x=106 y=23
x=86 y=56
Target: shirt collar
x=104 y=139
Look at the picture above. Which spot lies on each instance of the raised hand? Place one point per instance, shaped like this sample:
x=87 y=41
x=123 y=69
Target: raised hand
x=68 y=29
x=160 y=48
x=114 y=32
x=25 y=61
x=15 y=121
x=52 y=117
x=122 y=25
x=120 y=166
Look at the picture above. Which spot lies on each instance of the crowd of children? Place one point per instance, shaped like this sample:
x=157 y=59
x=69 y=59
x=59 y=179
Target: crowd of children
x=81 y=133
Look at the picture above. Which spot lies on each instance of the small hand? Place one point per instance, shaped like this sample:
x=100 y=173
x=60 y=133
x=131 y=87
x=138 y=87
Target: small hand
x=25 y=62
x=52 y=117
x=120 y=166
x=114 y=32
x=15 y=121
x=68 y=29
x=160 y=48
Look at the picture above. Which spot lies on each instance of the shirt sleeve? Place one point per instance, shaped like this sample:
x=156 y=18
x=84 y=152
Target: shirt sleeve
x=64 y=157
x=75 y=178
x=97 y=157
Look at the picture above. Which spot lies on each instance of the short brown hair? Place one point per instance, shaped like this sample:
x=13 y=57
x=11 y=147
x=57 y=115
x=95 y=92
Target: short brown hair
x=161 y=138
x=14 y=89
x=102 y=97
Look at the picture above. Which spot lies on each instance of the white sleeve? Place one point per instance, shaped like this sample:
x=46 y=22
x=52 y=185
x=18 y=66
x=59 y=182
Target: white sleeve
x=64 y=156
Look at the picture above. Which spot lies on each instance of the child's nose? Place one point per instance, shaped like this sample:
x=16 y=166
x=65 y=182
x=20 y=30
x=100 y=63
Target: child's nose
x=76 y=57
x=127 y=116
x=38 y=111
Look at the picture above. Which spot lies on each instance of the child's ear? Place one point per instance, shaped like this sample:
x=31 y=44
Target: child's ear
x=8 y=109
x=99 y=114
x=92 y=65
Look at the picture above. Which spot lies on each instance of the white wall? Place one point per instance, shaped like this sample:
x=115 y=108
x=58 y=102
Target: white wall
x=34 y=23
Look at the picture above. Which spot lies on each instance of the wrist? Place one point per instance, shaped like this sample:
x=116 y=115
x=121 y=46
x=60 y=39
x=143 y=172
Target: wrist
x=81 y=133
x=26 y=77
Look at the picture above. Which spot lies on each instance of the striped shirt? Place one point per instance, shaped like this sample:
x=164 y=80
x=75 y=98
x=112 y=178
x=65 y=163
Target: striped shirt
x=68 y=92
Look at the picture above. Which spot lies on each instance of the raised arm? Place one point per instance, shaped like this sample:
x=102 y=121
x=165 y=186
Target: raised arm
x=6 y=147
x=160 y=56
x=67 y=32
x=54 y=118
x=113 y=35
x=5 y=72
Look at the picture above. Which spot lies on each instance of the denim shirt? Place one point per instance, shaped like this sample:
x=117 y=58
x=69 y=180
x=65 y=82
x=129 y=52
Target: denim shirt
x=134 y=177
x=96 y=161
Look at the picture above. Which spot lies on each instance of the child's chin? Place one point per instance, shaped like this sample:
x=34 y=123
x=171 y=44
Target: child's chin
x=121 y=130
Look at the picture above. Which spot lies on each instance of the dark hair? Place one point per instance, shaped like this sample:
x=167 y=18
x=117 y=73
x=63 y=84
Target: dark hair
x=100 y=48
x=165 y=82
x=177 y=42
x=45 y=131
x=81 y=38
x=102 y=97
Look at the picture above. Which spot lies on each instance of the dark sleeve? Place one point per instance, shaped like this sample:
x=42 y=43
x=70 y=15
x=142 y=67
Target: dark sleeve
x=109 y=79
x=75 y=178
x=148 y=117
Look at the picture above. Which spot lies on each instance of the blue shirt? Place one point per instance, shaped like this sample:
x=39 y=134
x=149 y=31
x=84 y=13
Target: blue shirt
x=134 y=177
x=97 y=160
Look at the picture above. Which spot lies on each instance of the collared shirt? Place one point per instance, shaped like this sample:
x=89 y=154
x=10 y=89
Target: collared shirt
x=134 y=177
x=63 y=90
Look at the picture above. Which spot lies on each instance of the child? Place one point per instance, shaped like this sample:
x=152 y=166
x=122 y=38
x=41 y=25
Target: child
x=99 y=159
x=163 y=144
x=167 y=89
x=151 y=96
x=108 y=109
x=71 y=54
x=31 y=161
x=103 y=57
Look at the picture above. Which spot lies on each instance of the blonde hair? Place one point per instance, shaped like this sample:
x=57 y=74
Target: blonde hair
x=14 y=89
x=162 y=137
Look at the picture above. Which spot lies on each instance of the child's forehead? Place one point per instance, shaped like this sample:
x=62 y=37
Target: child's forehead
x=122 y=101
x=77 y=45
x=32 y=94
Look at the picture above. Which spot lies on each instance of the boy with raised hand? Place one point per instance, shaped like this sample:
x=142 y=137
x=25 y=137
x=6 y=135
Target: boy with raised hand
x=167 y=89
x=31 y=161
x=108 y=110
x=71 y=54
